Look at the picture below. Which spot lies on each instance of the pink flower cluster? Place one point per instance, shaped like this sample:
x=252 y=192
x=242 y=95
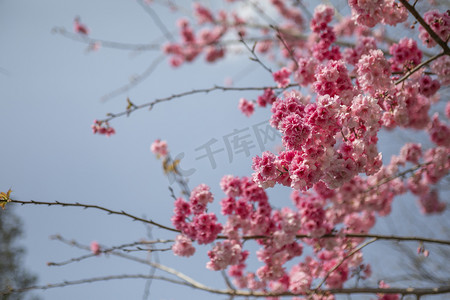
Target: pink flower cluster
x=363 y=46
x=247 y=107
x=309 y=135
x=281 y=77
x=203 y=227
x=95 y=248
x=439 y=23
x=102 y=127
x=428 y=86
x=333 y=79
x=291 y=13
x=191 y=45
x=374 y=72
x=441 y=67
x=305 y=73
x=80 y=28
x=371 y=12
x=324 y=34
x=405 y=55
x=226 y=254
x=183 y=246
x=429 y=203
x=439 y=132
x=159 y=148
x=267 y=98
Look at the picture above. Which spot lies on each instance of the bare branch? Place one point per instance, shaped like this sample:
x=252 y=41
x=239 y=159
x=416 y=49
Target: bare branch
x=192 y=92
x=403 y=291
x=136 y=80
x=109 y=211
x=157 y=20
x=104 y=43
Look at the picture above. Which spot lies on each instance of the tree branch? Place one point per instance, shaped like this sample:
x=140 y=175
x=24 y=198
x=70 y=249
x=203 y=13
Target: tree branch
x=342 y=261
x=85 y=206
x=425 y=25
x=402 y=291
x=192 y=92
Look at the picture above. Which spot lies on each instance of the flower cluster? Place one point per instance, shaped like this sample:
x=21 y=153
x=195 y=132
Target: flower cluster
x=159 y=148
x=370 y=13
x=102 y=127
x=203 y=227
x=439 y=23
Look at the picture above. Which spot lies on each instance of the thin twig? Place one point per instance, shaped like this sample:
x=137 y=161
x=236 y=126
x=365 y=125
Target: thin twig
x=150 y=105
x=253 y=237
x=289 y=50
x=419 y=66
x=342 y=261
x=157 y=20
x=109 y=211
x=255 y=57
x=136 y=80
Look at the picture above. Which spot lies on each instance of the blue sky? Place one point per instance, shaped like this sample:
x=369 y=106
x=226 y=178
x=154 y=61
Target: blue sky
x=50 y=93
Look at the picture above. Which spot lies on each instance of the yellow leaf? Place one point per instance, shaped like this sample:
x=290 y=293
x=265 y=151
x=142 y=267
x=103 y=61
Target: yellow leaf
x=170 y=167
x=5 y=198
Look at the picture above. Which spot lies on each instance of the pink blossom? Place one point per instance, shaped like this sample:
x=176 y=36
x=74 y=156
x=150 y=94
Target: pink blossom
x=183 y=246
x=281 y=77
x=203 y=14
x=374 y=72
x=201 y=194
x=304 y=75
x=447 y=110
x=159 y=148
x=267 y=98
x=247 y=107
x=231 y=186
x=428 y=86
x=439 y=132
x=103 y=128
x=367 y=12
x=439 y=23
x=441 y=67
x=95 y=248
x=439 y=159
x=291 y=13
x=394 y=12
x=429 y=203
x=80 y=28
x=265 y=169
x=383 y=285
x=411 y=152
x=405 y=55
x=224 y=254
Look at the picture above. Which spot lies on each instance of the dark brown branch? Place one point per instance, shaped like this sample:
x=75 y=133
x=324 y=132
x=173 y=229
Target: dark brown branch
x=419 y=66
x=253 y=237
x=192 y=92
x=427 y=27
x=109 y=211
